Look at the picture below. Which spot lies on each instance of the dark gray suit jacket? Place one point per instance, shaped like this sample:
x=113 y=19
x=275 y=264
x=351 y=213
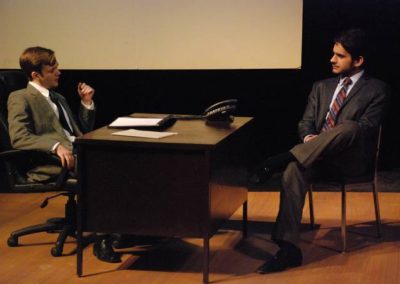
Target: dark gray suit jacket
x=33 y=125
x=364 y=104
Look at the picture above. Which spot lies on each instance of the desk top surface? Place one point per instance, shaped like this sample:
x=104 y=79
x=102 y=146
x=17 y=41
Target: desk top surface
x=191 y=133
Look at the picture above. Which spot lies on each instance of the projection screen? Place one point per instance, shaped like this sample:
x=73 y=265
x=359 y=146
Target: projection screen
x=155 y=34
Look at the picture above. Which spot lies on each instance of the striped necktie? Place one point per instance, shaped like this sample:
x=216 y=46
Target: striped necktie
x=336 y=106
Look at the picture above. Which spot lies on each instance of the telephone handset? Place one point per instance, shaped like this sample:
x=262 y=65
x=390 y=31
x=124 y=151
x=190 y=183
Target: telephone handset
x=221 y=111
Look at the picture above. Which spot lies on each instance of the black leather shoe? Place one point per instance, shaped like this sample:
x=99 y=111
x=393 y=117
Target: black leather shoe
x=103 y=250
x=260 y=175
x=285 y=258
x=124 y=241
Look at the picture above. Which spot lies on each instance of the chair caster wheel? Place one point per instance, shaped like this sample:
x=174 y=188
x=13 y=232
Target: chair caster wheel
x=12 y=241
x=55 y=251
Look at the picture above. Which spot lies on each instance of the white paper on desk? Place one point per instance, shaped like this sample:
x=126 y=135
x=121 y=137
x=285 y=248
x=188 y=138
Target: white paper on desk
x=135 y=121
x=144 y=134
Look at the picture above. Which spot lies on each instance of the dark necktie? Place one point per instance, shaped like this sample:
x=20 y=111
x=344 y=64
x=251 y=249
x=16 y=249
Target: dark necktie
x=61 y=116
x=336 y=106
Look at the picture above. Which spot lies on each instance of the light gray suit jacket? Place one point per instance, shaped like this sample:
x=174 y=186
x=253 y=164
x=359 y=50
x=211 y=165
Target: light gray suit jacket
x=33 y=125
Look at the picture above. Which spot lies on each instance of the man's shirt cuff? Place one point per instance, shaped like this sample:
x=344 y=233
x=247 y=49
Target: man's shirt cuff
x=53 y=149
x=89 y=107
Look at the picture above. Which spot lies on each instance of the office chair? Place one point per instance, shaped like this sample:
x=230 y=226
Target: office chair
x=14 y=161
x=370 y=177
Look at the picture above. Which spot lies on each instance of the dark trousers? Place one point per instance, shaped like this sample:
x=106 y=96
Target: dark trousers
x=339 y=151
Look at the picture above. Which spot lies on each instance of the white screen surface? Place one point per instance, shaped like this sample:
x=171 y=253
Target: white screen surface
x=155 y=34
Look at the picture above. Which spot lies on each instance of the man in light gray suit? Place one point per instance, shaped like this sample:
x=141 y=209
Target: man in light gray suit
x=342 y=114
x=34 y=113
x=40 y=119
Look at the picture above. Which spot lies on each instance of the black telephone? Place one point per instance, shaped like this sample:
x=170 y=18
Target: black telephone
x=221 y=111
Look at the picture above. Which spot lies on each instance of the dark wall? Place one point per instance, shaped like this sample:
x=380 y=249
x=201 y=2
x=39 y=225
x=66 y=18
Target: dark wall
x=276 y=98
x=262 y=94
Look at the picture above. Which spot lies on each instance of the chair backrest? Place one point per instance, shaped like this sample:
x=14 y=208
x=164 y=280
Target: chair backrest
x=9 y=81
x=4 y=138
x=377 y=152
x=6 y=169
x=373 y=149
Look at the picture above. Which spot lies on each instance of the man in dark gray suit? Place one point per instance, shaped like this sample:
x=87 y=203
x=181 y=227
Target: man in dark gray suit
x=40 y=119
x=341 y=115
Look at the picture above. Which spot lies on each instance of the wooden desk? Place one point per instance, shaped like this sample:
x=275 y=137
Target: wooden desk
x=184 y=185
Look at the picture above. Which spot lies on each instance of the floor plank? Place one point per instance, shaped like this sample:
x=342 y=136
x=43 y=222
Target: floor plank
x=232 y=260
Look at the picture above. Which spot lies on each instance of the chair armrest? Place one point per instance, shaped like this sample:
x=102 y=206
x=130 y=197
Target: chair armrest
x=17 y=156
x=9 y=155
x=14 y=154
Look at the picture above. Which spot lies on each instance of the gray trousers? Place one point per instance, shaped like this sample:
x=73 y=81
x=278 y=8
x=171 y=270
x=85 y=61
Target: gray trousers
x=339 y=151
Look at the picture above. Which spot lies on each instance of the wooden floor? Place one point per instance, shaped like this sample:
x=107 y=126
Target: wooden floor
x=232 y=260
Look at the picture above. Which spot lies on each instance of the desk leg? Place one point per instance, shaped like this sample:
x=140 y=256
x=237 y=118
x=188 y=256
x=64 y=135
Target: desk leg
x=206 y=259
x=79 y=237
x=244 y=223
x=79 y=254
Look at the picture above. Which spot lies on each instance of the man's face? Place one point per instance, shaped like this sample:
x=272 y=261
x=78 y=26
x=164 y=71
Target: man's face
x=49 y=76
x=342 y=62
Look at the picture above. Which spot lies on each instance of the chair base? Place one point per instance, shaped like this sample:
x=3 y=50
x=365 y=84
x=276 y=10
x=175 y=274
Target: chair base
x=66 y=227
x=52 y=225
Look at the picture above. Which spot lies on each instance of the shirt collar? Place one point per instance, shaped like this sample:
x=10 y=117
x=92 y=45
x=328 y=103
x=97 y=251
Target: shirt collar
x=353 y=78
x=42 y=90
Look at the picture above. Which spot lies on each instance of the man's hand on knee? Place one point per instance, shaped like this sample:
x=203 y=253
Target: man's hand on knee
x=309 y=137
x=66 y=157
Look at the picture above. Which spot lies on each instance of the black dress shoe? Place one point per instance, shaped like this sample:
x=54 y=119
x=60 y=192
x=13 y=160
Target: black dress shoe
x=260 y=175
x=285 y=258
x=103 y=250
x=124 y=241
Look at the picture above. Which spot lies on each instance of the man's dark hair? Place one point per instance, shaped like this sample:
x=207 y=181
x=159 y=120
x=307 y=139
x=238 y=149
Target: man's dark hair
x=354 y=41
x=34 y=58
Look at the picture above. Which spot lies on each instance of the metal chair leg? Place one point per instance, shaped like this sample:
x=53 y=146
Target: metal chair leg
x=343 y=225
x=244 y=222
x=377 y=210
x=311 y=206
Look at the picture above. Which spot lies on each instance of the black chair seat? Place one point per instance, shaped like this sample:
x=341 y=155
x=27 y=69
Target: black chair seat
x=69 y=186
